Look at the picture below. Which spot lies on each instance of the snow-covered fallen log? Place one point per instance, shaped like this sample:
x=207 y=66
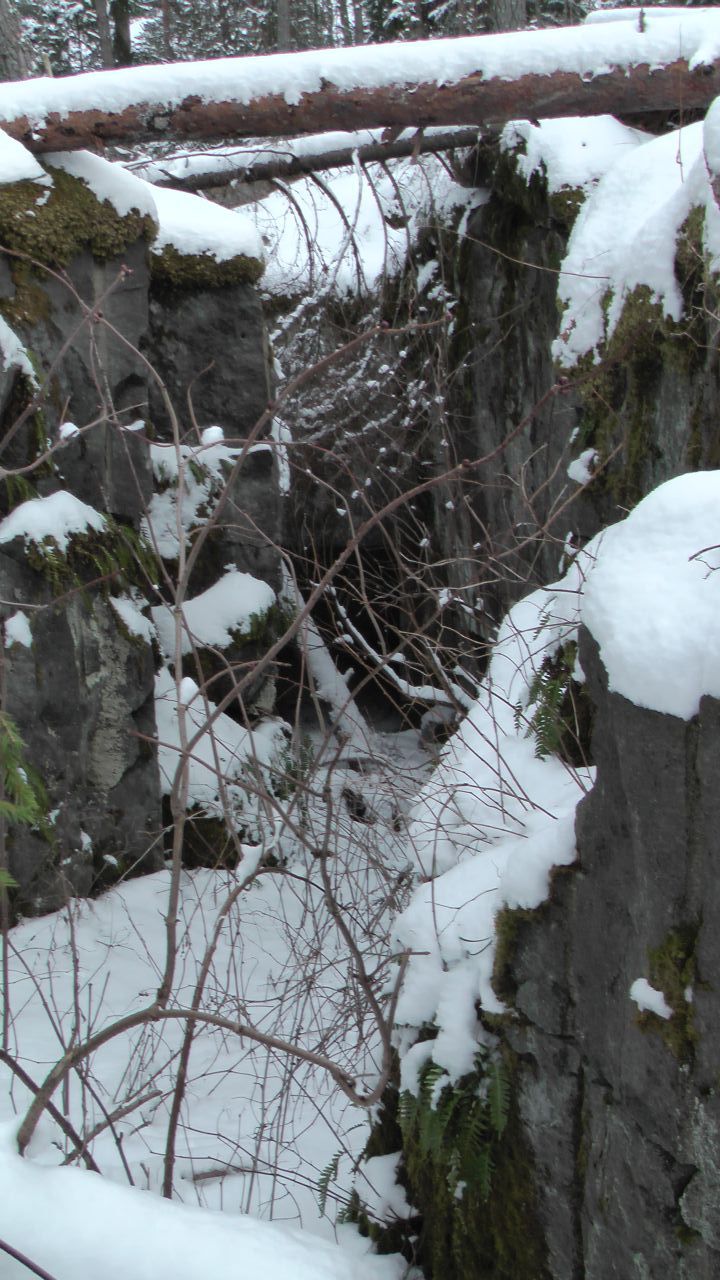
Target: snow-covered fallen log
x=653 y=61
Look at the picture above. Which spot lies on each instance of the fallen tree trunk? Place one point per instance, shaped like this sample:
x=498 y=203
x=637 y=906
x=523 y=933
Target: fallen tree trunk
x=260 y=164
x=481 y=81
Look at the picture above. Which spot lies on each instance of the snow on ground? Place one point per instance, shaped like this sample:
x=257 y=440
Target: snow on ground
x=79 y=1227
x=257 y=1127
x=586 y=50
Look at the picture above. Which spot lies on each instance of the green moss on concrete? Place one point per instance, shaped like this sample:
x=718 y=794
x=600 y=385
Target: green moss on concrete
x=620 y=399
x=30 y=303
x=52 y=225
x=201 y=270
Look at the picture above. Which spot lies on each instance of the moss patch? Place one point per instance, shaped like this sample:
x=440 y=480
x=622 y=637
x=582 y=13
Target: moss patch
x=672 y=970
x=54 y=224
x=647 y=352
x=509 y=924
x=202 y=270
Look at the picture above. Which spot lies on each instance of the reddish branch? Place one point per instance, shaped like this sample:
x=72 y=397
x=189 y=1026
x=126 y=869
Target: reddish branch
x=474 y=100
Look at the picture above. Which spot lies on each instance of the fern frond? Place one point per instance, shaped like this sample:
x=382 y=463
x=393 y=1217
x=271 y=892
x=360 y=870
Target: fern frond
x=408 y=1107
x=328 y=1174
x=430 y=1076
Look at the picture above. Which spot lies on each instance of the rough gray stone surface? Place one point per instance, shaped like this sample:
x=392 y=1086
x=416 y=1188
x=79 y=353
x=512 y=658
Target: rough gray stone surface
x=209 y=347
x=81 y=696
x=621 y=1110
x=94 y=376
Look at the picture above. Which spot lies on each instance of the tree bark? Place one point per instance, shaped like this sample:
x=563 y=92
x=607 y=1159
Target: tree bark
x=506 y=15
x=14 y=63
x=283 y=26
x=628 y=91
x=122 y=44
x=103 y=24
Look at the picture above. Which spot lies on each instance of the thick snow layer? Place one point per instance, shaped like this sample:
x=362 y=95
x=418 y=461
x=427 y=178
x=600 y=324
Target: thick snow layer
x=17 y=163
x=80 y=1226
x=108 y=181
x=59 y=516
x=193 y=225
x=573 y=152
x=648 y=999
x=652 y=601
x=585 y=50
x=210 y=619
x=625 y=235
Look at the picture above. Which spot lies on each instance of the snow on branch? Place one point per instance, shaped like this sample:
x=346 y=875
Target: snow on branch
x=291 y=158
x=665 y=61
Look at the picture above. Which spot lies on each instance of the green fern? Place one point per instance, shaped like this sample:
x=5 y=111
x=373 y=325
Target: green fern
x=547 y=702
x=327 y=1176
x=24 y=800
x=480 y=1171
x=457 y=1126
